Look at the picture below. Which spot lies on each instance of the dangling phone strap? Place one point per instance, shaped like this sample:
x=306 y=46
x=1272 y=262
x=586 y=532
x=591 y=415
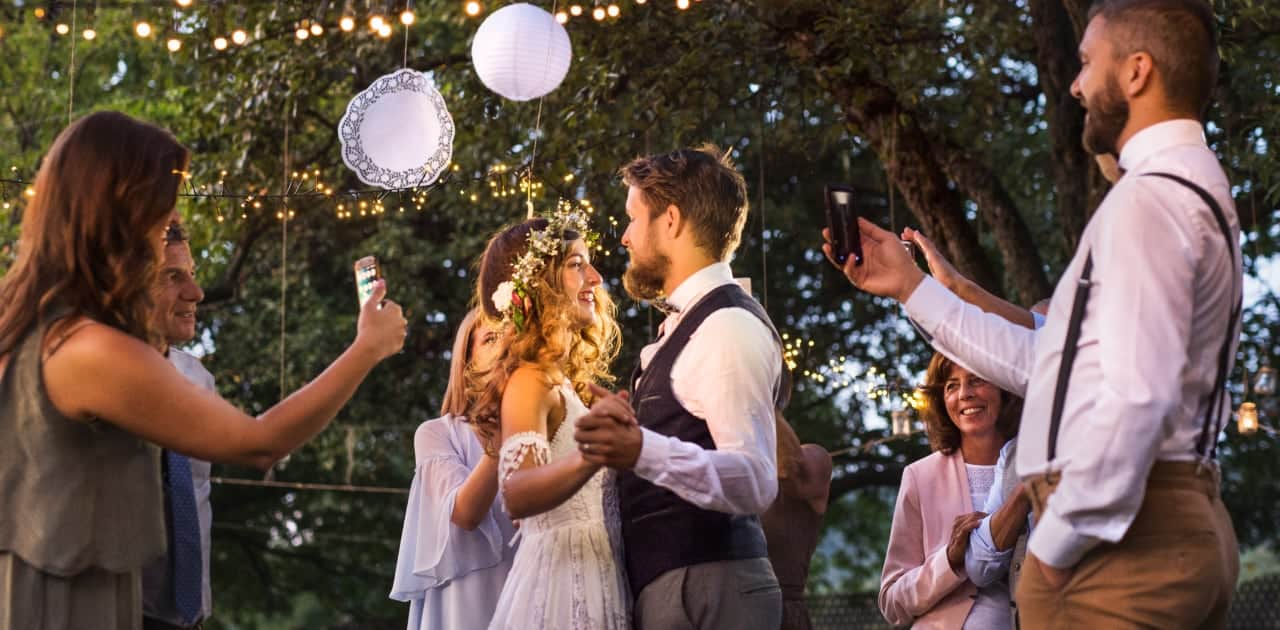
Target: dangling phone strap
x=1215 y=400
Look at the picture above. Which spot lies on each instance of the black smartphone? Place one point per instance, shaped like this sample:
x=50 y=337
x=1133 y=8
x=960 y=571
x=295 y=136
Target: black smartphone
x=367 y=271
x=842 y=220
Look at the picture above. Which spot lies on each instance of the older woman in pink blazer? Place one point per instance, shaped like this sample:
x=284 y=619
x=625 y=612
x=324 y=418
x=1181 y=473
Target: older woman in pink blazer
x=924 y=583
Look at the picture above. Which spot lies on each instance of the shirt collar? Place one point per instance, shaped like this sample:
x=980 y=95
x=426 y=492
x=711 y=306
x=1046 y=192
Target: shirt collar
x=698 y=284
x=1159 y=137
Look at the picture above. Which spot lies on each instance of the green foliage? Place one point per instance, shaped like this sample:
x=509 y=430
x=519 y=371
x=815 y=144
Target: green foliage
x=656 y=79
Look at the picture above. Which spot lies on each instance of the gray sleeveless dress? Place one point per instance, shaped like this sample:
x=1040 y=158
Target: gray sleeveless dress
x=82 y=509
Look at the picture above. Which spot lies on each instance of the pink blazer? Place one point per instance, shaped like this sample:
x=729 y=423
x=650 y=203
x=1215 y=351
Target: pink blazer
x=917 y=586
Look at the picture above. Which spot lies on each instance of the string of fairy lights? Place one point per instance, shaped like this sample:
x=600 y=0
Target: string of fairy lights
x=380 y=17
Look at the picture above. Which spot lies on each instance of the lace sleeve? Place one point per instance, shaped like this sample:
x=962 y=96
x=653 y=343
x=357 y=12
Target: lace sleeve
x=514 y=450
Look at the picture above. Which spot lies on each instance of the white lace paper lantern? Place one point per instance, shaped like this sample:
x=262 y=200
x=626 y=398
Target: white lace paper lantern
x=521 y=52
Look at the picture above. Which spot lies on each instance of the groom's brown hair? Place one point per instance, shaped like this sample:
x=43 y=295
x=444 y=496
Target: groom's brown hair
x=704 y=185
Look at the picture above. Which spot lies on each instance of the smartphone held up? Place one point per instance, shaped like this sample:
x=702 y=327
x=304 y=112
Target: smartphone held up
x=842 y=221
x=368 y=272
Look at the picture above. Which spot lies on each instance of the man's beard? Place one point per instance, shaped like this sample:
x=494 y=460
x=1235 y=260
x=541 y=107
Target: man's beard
x=1108 y=115
x=646 y=277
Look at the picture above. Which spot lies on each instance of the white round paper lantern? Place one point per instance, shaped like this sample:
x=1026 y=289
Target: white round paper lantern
x=521 y=52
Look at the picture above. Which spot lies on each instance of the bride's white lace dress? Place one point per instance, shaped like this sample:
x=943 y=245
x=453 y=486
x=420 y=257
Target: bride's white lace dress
x=567 y=573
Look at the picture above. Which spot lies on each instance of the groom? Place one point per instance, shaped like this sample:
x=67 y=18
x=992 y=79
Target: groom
x=700 y=465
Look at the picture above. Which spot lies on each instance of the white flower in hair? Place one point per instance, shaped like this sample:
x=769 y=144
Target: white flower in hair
x=502 y=297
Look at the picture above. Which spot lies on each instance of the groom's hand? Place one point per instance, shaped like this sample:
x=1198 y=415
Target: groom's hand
x=608 y=433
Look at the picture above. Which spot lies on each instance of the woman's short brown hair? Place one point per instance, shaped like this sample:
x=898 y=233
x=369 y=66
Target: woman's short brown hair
x=944 y=435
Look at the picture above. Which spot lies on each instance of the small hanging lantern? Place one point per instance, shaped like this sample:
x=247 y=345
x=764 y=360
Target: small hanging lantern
x=1265 y=383
x=901 y=420
x=1247 y=419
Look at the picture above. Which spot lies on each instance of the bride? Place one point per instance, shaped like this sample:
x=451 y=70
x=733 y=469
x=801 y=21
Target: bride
x=538 y=277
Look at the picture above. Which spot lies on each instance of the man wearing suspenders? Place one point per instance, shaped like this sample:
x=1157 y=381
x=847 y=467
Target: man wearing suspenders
x=1125 y=385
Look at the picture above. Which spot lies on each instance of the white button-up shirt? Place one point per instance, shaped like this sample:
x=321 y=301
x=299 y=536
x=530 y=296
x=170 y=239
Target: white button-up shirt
x=1164 y=282
x=158 y=579
x=727 y=375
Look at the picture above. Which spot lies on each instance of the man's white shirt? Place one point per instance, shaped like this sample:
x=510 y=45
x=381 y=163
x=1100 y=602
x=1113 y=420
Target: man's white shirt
x=1164 y=281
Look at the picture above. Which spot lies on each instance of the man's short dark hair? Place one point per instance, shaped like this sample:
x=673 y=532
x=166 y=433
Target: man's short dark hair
x=1180 y=37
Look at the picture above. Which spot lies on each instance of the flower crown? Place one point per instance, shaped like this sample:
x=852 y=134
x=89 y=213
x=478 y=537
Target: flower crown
x=514 y=298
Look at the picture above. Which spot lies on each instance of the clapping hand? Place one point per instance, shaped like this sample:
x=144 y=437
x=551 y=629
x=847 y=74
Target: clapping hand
x=960 y=529
x=887 y=269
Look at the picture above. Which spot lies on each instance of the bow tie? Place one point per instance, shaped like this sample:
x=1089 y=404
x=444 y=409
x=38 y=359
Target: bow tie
x=666 y=307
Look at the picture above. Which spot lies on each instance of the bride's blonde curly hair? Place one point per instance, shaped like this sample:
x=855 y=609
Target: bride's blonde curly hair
x=548 y=339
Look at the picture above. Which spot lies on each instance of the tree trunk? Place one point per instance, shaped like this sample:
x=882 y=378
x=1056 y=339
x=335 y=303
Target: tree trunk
x=1024 y=268
x=1078 y=184
x=909 y=156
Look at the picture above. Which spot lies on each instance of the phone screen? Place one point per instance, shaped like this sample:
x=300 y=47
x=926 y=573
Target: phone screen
x=842 y=221
x=367 y=272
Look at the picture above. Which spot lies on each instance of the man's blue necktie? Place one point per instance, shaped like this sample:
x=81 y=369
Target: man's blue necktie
x=184 y=538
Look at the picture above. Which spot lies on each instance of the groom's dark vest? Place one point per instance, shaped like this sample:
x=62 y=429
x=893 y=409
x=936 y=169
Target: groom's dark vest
x=662 y=531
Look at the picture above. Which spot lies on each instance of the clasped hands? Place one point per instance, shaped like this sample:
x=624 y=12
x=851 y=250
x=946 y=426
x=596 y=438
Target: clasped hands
x=608 y=434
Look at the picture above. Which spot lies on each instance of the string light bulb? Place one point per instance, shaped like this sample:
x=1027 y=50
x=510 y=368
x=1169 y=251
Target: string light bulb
x=317 y=29
x=220 y=43
x=376 y=22
x=62 y=29
x=302 y=33
x=173 y=44
x=239 y=37
x=641 y=1
x=384 y=31
x=614 y=11
x=184 y=3
x=562 y=17
x=407 y=18
x=575 y=10
x=347 y=23
x=90 y=34
x=142 y=28
x=682 y=4
x=472 y=8
x=598 y=13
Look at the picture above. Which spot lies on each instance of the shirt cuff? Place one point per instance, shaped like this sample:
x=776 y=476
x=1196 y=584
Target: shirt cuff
x=1038 y=319
x=1057 y=544
x=928 y=303
x=655 y=450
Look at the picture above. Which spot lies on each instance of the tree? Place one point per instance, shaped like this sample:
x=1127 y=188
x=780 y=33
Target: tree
x=954 y=116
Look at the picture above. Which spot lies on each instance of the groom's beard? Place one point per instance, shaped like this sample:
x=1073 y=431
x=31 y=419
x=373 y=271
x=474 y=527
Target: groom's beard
x=646 y=277
x=1108 y=113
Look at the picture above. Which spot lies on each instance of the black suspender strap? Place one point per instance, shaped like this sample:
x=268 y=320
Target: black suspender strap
x=1216 y=398
x=1206 y=445
x=1069 y=348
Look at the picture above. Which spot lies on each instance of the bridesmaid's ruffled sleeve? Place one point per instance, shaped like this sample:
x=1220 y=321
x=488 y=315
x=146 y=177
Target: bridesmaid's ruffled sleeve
x=433 y=550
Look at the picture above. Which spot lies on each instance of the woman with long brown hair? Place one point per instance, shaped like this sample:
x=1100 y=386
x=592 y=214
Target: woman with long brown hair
x=924 y=583
x=85 y=395
x=538 y=278
x=455 y=549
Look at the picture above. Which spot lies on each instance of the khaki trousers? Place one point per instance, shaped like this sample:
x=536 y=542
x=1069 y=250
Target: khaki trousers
x=1176 y=567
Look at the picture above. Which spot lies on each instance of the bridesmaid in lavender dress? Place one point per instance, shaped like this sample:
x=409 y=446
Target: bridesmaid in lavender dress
x=455 y=550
